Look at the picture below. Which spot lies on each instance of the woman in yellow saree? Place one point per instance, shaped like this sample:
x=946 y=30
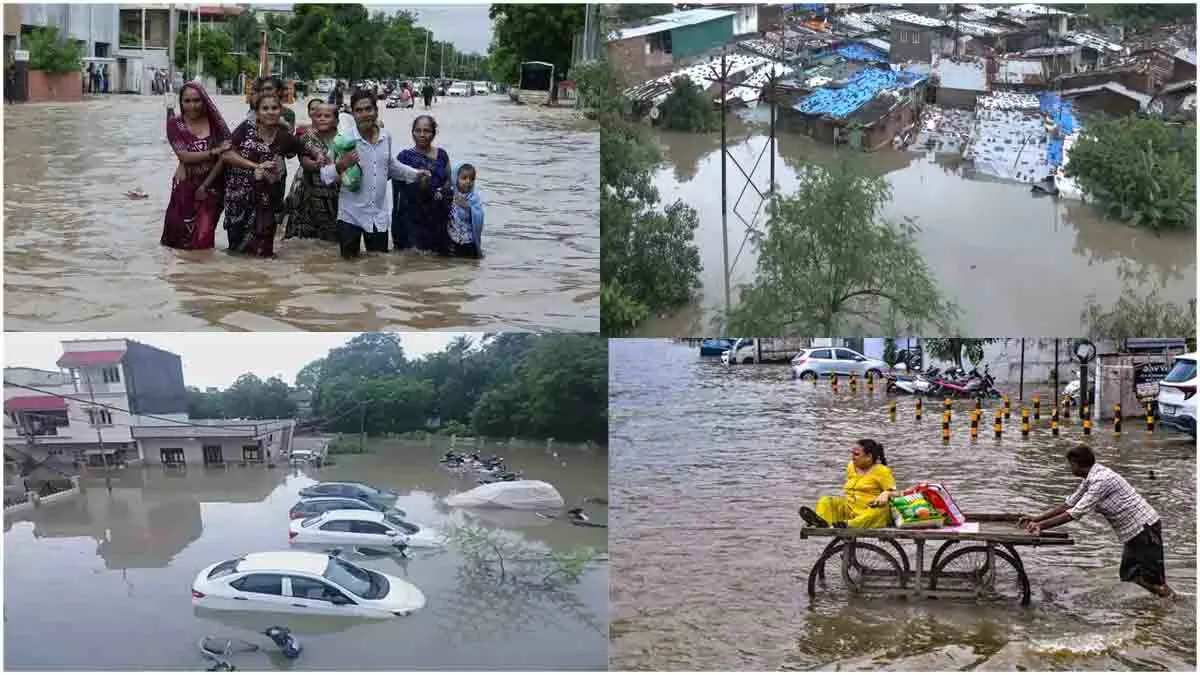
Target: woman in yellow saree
x=869 y=487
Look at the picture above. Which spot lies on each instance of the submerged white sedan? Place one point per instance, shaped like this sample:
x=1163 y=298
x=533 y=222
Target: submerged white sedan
x=303 y=583
x=360 y=527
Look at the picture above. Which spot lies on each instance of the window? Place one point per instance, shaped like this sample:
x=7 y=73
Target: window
x=337 y=526
x=251 y=453
x=212 y=455
x=99 y=417
x=367 y=527
x=311 y=589
x=911 y=36
x=270 y=584
x=112 y=374
x=227 y=567
x=822 y=354
x=847 y=355
x=172 y=456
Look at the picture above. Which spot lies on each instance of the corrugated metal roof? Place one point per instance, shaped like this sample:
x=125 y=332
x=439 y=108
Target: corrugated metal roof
x=664 y=22
x=1007 y=100
x=976 y=29
x=1050 y=51
x=841 y=102
x=966 y=75
x=917 y=19
x=1028 y=10
x=886 y=47
x=84 y=359
x=1093 y=42
x=1188 y=55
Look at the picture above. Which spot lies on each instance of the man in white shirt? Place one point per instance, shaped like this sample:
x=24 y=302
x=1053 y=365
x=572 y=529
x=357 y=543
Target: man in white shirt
x=1134 y=521
x=366 y=215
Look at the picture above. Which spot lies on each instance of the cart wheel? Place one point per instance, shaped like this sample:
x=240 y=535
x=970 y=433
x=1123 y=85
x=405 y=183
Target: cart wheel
x=965 y=569
x=942 y=550
x=902 y=555
x=871 y=568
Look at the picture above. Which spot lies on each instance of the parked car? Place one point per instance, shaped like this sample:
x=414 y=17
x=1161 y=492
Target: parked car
x=1177 y=395
x=825 y=361
x=481 y=88
x=360 y=527
x=303 y=583
x=376 y=496
x=315 y=506
x=299 y=457
x=325 y=85
x=459 y=89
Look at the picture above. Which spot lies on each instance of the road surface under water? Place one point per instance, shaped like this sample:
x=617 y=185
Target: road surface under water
x=1013 y=262
x=79 y=253
x=709 y=466
x=101 y=582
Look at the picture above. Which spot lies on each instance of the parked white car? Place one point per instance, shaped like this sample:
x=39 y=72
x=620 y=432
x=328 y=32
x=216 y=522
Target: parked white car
x=303 y=583
x=825 y=361
x=1177 y=395
x=359 y=527
x=459 y=89
x=481 y=88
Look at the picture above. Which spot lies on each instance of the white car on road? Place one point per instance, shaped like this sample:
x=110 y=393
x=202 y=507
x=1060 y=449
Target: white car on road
x=359 y=527
x=459 y=89
x=1177 y=395
x=303 y=583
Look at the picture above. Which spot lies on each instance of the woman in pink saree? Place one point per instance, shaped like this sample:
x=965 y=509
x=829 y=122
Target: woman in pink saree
x=198 y=135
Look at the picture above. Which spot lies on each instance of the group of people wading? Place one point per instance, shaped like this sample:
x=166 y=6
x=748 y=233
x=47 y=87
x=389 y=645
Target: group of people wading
x=243 y=173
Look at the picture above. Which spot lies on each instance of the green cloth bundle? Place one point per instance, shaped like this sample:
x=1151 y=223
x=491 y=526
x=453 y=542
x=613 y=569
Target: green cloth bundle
x=352 y=178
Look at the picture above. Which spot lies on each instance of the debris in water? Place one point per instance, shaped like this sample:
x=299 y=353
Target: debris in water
x=137 y=194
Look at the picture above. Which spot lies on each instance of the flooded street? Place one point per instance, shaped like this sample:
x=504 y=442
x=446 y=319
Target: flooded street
x=101 y=581
x=79 y=253
x=711 y=463
x=1010 y=260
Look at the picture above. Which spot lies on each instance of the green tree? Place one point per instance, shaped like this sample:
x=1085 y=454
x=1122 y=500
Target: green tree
x=367 y=355
x=1138 y=170
x=631 y=13
x=533 y=33
x=212 y=47
x=687 y=108
x=53 y=53
x=204 y=406
x=1137 y=315
x=829 y=264
x=954 y=349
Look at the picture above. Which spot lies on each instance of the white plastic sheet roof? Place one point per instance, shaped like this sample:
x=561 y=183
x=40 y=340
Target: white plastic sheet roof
x=1010 y=144
x=1007 y=100
x=1093 y=42
x=968 y=75
x=703 y=74
x=1038 y=52
x=918 y=19
x=750 y=90
x=885 y=46
x=1015 y=71
x=856 y=22
x=1187 y=55
x=1029 y=10
x=977 y=29
x=672 y=21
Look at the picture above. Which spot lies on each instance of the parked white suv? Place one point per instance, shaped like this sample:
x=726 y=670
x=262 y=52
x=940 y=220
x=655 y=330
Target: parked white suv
x=1177 y=395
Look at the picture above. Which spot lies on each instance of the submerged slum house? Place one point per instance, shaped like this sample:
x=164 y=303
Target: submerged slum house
x=668 y=41
x=865 y=112
x=1125 y=87
x=1095 y=51
x=959 y=83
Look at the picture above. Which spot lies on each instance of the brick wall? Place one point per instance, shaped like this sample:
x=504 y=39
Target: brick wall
x=56 y=87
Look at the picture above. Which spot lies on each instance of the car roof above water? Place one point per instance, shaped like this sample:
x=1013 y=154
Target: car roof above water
x=297 y=561
x=352 y=514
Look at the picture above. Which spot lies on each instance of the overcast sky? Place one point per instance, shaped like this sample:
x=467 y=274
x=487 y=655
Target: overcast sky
x=217 y=359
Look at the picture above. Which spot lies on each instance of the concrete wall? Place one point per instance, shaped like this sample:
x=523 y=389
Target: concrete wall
x=193 y=449
x=635 y=63
x=883 y=131
x=957 y=98
x=155 y=380
x=688 y=41
x=57 y=88
x=90 y=23
x=907 y=50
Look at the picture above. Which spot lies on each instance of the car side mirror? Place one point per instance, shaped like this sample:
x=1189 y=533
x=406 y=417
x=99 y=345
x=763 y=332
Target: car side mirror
x=339 y=600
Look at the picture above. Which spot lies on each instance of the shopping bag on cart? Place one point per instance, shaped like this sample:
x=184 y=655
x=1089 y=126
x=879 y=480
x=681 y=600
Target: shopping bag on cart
x=939 y=497
x=910 y=511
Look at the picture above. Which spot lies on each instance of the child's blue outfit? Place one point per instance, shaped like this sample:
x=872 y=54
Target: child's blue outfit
x=466 y=226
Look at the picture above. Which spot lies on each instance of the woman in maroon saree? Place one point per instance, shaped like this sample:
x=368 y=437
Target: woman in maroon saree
x=199 y=136
x=254 y=185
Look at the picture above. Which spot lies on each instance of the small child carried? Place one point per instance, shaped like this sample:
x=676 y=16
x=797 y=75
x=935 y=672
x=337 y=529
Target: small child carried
x=466 y=215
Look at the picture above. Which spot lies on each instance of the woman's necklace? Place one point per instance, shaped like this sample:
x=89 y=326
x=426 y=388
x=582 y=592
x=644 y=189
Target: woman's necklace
x=268 y=141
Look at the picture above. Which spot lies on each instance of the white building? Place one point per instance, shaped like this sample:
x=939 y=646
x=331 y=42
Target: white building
x=118 y=401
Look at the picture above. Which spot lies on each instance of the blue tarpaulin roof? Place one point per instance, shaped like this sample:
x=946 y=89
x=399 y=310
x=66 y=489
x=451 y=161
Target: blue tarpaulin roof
x=1064 y=116
x=841 y=102
x=860 y=52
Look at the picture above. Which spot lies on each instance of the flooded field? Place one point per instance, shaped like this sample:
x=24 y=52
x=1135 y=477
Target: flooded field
x=1012 y=261
x=101 y=582
x=79 y=253
x=710 y=465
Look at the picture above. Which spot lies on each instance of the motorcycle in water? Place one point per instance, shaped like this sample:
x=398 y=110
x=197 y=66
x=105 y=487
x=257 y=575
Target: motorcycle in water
x=920 y=384
x=956 y=383
x=1071 y=391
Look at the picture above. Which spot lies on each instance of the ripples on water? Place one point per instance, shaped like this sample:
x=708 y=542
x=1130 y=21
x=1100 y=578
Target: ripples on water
x=79 y=253
x=101 y=581
x=710 y=464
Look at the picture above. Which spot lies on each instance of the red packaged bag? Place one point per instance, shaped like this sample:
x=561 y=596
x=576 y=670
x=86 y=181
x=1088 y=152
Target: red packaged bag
x=939 y=497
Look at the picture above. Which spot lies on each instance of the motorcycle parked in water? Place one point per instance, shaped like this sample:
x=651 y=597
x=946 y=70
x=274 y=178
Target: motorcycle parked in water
x=959 y=384
x=920 y=384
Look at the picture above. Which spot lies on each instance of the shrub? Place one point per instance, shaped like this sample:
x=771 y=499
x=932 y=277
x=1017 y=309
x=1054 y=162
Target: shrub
x=687 y=108
x=52 y=53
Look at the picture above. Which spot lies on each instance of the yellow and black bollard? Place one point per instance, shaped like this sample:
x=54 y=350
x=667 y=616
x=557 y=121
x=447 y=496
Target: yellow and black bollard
x=1067 y=409
x=892 y=410
x=871 y=383
x=853 y=383
x=1007 y=411
x=1054 y=424
x=975 y=423
x=1087 y=420
x=918 y=409
x=947 y=409
x=1037 y=407
x=998 y=424
x=1024 y=421
x=1149 y=418
x=1117 y=419
x=833 y=381
x=979 y=404
x=946 y=427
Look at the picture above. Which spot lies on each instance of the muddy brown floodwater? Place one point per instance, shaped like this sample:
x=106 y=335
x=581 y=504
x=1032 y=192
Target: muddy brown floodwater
x=100 y=582
x=709 y=465
x=79 y=253
x=1013 y=262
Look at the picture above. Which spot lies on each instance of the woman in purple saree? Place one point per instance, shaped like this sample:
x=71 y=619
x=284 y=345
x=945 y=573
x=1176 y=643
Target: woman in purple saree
x=198 y=135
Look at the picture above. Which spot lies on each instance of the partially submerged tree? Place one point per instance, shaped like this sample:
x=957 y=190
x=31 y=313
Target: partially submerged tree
x=687 y=108
x=829 y=264
x=508 y=559
x=1135 y=315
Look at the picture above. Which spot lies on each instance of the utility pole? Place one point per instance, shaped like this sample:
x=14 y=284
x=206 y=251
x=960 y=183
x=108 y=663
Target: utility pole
x=96 y=422
x=362 y=427
x=172 y=27
x=425 y=63
x=442 y=63
x=188 y=50
x=724 y=208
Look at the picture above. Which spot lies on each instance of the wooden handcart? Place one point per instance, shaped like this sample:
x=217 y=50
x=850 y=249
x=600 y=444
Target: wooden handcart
x=983 y=564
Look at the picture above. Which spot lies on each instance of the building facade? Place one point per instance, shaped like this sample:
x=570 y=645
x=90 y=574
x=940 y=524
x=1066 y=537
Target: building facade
x=644 y=52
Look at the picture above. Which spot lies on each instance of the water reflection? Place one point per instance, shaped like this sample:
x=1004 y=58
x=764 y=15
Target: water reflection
x=132 y=552
x=710 y=464
x=79 y=253
x=1012 y=261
